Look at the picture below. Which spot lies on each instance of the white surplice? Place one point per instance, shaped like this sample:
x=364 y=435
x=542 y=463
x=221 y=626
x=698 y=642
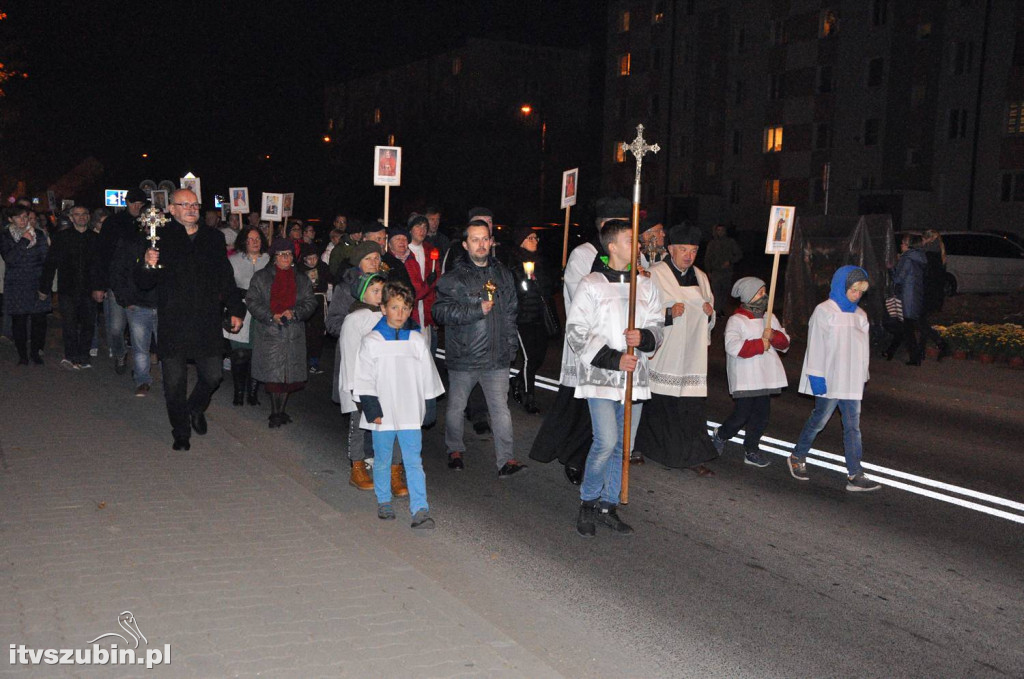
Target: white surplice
x=357 y=325
x=401 y=374
x=579 y=264
x=838 y=349
x=680 y=368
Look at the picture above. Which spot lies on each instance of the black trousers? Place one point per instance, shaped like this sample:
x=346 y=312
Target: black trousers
x=20 y=329
x=908 y=332
x=752 y=411
x=78 y=323
x=535 y=343
x=209 y=373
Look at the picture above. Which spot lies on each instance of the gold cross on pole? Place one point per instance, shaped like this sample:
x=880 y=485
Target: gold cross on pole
x=639 y=148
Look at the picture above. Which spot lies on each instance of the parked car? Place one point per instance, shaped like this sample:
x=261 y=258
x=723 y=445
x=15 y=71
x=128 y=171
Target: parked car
x=978 y=261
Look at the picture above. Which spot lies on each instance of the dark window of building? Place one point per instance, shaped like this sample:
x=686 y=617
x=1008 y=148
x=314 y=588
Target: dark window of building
x=772 y=139
x=1007 y=190
x=777 y=34
x=956 y=120
x=1018 y=187
x=623 y=22
x=1018 y=49
x=817 y=190
x=738 y=92
x=710 y=168
x=656 y=59
x=822 y=136
x=963 y=57
x=621 y=107
x=689 y=7
x=913 y=157
x=741 y=38
x=737 y=142
x=824 y=79
x=658 y=15
x=655 y=106
x=872 y=128
x=681 y=146
x=924 y=30
x=876 y=71
x=917 y=94
x=1015 y=117
x=734 y=192
x=776 y=84
x=829 y=24
x=879 y=12
x=770 y=195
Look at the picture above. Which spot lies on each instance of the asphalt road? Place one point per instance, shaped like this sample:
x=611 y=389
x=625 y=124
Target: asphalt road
x=748 y=573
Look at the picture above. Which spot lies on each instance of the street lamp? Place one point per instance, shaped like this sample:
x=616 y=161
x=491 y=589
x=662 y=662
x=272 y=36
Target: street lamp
x=527 y=110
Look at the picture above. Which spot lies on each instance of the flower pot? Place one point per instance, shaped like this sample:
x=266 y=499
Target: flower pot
x=960 y=355
x=986 y=358
x=932 y=352
x=1017 y=362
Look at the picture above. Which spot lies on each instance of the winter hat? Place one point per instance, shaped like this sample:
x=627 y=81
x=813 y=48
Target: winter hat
x=684 y=234
x=745 y=288
x=135 y=196
x=360 y=284
x=650 y=221
x=282 y=245
x=398 y=231
x=519 y=234
x=306 y=250
x=367 y=247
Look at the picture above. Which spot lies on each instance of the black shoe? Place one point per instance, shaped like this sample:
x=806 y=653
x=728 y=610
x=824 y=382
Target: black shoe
x=530 y=407
x=285 y=417
x=455 y=462
x=511 y=467
x=254 y=392
x=239 y=398
x=198 y=422
x=515 y=390
x=37 y=359
x=481 y=428
x=274 y=420
x=574 y=474
x=181 y=444
x=585 y=520
x=609 y=516
x=914 y=362
x=121 y=365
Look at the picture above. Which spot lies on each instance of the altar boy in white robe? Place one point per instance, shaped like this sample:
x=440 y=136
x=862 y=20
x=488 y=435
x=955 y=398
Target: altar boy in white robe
x=835 y=371
x=397 y=385
x=596 y=331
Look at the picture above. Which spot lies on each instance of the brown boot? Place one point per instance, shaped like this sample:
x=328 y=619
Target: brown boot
x=360 y=478
x=398 y=487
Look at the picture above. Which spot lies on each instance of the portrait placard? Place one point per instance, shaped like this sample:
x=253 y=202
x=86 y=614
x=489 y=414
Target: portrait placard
x=288 y=204
x=194 y=185
x=159 y=199
x=780 y=229
x=239 y=196
x=387 y=165
x=270 y=209
x=569 y=179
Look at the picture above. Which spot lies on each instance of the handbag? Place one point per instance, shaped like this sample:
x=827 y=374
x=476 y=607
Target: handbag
x=551 y=324
x=894 y=307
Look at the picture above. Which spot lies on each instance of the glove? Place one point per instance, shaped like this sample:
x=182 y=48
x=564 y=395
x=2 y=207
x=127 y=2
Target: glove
x=431 y=278
x=818 y=386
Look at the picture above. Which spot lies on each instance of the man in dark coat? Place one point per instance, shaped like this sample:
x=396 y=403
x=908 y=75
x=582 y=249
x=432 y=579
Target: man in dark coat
x=476 y=302
x=121 y=227
x=194 y=285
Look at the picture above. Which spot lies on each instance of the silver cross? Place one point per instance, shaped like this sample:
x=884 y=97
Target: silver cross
x=639 y=148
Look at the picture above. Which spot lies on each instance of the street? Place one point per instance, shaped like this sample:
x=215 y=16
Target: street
x=746 y=574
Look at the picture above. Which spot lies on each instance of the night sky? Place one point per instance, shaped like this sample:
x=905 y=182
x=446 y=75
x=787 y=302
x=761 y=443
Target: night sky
x=213 y=87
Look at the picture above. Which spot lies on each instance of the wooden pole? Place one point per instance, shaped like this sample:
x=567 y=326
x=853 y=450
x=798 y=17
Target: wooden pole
x=565 y=239
x=627 y=414
x=387 y=203
x=771 y=292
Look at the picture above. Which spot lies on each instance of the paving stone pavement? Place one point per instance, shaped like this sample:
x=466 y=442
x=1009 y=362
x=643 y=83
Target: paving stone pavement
x=215 y=551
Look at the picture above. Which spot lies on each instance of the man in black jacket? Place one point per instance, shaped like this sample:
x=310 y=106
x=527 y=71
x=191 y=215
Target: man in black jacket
x=139 y=307
x=71 y=256
x=122 y=226
x=476 y=302
x=193 y=287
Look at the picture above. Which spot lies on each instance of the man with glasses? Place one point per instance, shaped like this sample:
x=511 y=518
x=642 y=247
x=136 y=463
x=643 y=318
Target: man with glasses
x=194 y=282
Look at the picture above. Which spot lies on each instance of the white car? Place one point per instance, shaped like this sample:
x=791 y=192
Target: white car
x=982 y=262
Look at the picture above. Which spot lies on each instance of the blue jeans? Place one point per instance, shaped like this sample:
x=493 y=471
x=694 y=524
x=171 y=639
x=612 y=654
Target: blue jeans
x=411 y=442
x=602 y=475
x=142 y=325
x=849 y=411
x=116 y=320
x=494 y=384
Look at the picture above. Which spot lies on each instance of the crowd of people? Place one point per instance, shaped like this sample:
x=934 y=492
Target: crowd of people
x=258 y=299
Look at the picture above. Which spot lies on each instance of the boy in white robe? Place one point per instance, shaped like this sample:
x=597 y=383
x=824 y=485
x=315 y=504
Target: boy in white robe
x=596 y=330
x=754 y=369
x=397 y=385
x=835 y=371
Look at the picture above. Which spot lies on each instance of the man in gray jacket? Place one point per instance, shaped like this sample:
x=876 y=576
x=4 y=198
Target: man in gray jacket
x=476 y=302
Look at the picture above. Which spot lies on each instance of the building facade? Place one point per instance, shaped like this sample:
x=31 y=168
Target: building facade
x=909 y=107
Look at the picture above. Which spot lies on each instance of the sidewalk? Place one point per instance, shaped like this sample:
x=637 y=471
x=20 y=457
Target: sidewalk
x=215 y=551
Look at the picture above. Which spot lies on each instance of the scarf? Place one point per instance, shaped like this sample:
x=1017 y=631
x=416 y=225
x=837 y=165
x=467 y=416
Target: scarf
x=757 y=308
x=282 y=291
x=17 y=235
x=842 y=280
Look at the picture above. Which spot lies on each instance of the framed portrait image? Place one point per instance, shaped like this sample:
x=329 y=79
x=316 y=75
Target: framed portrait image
x=288 y=204
x=569 y=179
x=159 y=199
x=194 y=185
x=387 y=165
x=270 y=209
x=238 y=199
x=780 y=229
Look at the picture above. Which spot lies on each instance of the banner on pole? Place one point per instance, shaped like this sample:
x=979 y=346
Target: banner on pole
x=288 y=204
x=387 y=165
x=239 y=199
x=780 y=229
x=569 y=184
x=271 y=207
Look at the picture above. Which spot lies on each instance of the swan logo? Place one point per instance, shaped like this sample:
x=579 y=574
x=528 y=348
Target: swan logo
x=127 y=654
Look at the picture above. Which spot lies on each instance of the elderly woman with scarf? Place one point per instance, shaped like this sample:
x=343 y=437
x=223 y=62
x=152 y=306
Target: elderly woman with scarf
x=24 y=250
x=753 y=366
x=280 y=299
x=835 y=371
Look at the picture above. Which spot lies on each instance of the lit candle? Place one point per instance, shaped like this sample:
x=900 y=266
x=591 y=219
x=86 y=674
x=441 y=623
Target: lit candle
x=528 y=268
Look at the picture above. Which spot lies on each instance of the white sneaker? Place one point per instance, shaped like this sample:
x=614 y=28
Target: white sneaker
x=65 y=364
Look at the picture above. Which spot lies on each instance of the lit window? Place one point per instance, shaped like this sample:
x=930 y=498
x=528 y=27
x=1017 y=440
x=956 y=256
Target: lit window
x=620 y=153
x=829 y=23
x=376 y=116
x=624 y=64
x=659 y=12
x=456 y=65
x=624 y=21
x=773 y=139
x=824 y=79
x=1015 y=118
x=771 y=191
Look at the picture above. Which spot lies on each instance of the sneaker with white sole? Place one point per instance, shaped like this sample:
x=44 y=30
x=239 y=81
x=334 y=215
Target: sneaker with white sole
x=860 y=484
x=756 y=458
x=797 y=468
x=65 y=364
x=718 y=443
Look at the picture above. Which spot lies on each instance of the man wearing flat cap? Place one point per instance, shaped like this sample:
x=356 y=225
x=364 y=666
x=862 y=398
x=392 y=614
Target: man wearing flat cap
x=672 y=430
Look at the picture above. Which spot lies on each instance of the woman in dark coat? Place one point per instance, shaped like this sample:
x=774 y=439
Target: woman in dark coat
x=533 y=288
x=319 y=276
x=24 y=251
x=908 y=277
x=280 y=299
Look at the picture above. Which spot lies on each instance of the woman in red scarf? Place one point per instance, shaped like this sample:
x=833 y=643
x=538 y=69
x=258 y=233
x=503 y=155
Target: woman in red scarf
x=280 y=301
